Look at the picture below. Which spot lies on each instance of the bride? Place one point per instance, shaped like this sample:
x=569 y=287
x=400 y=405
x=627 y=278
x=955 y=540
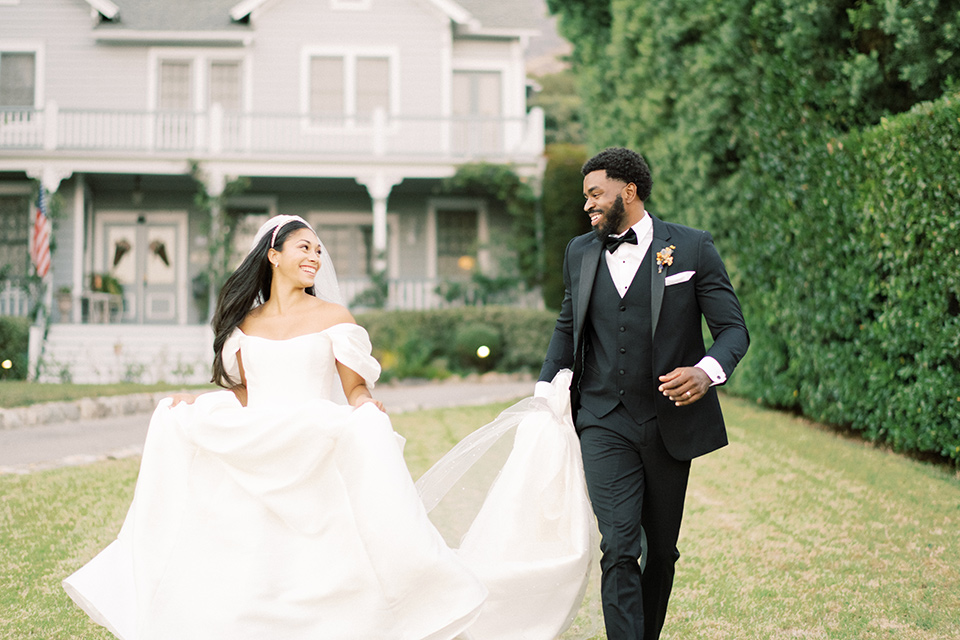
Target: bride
x=281 y=507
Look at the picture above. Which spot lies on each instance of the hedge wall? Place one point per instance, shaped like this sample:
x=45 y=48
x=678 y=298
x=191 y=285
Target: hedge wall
x=14 y=343
x=435 y=344
x=850 y=280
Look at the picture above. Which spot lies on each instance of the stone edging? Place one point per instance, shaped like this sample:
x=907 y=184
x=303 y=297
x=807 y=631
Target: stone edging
x=145 y=403
x=82 y=409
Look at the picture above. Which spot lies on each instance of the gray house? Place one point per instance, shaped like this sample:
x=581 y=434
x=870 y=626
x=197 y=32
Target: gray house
x=170 y=130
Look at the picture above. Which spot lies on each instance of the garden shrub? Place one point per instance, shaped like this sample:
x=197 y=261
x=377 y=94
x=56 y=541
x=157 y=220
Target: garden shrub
x=469 y=339
x=14 y=346
x=424 y=344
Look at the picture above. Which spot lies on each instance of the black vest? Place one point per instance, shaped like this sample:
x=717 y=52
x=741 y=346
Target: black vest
x=618 y=347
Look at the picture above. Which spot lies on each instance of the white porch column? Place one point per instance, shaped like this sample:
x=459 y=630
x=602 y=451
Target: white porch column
x=50 y=177
x=379 y=185
x=214 y=182
x=79 y=229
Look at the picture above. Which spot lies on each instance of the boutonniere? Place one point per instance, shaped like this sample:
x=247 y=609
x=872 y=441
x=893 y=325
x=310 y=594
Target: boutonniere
x=665 y=257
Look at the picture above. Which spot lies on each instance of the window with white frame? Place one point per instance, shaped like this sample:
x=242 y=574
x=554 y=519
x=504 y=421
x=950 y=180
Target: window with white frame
x=352 y=85
x=350 y=246
x=457 y=242
x=477 y=109
x=226 y=83
x=14 y=231
x=18 y=78
x=188 y=82
x=175 y=90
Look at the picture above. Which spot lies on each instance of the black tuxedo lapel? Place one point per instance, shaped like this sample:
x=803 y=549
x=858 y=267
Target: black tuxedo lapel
x=661 y=239
x=588 y=271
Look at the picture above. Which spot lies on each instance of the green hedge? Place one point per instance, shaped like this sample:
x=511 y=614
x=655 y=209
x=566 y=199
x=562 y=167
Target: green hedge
x=436 y=344
x=563 y=215
x=14 y=344
x=851 y=282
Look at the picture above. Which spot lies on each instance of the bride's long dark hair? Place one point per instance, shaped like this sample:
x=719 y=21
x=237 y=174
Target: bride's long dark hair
x=246 y=288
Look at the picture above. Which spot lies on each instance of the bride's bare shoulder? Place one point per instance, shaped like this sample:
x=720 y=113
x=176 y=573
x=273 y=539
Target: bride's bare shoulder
x=325 y=314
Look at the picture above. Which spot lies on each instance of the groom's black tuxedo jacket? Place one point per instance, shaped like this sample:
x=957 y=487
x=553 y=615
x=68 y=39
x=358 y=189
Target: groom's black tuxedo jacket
x=676 y=329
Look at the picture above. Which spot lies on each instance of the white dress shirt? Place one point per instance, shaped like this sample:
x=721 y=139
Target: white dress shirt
x=623 y=265
x=625 y=261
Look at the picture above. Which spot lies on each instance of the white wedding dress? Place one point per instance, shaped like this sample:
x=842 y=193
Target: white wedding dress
x=296 y=517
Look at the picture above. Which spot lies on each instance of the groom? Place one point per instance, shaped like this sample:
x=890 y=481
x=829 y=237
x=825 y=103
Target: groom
x=642 y=395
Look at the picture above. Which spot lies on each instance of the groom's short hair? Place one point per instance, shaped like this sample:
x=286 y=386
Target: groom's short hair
x=622 y=164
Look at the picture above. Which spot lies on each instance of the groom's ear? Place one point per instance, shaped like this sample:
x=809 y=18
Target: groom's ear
x=629 y=192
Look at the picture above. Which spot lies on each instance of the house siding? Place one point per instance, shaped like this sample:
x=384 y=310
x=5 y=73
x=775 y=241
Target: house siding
x=284 y=29
x=339 y=174
x=77 y=72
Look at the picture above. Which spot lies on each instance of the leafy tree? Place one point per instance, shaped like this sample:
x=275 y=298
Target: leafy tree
x=698 y=86
x=561 y=106
x=564 y=219
x=500 y=184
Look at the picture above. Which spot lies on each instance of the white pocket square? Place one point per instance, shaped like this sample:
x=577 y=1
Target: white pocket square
x=677 y=278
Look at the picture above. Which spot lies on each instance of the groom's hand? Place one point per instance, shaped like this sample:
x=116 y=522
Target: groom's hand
x=684 y=385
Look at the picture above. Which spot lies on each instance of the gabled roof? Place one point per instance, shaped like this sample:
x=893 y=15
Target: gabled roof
x=172 y=15
x=105 y=8
x=503 y=14
x=129 y=19
x=473 y=15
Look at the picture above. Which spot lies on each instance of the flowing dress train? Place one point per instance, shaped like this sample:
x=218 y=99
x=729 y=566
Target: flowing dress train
x=295 y=517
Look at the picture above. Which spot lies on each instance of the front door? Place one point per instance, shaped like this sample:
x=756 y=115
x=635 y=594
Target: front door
x=145 y=253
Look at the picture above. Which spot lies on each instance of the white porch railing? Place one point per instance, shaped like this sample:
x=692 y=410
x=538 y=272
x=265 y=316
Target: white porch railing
x=14 y=301
x=405 y=294
x=216 y=132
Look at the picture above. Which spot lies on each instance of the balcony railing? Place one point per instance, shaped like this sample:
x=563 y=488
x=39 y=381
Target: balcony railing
x=219 y=133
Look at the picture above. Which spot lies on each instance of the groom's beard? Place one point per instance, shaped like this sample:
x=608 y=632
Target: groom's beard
x=612 y=219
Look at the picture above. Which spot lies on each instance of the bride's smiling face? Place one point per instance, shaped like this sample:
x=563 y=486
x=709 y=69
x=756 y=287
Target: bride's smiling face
x=299 y=257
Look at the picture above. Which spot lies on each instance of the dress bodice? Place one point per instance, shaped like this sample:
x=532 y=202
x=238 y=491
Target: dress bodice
x=300 y=368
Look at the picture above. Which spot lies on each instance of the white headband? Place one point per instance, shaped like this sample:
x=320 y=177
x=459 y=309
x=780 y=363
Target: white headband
x=325 y=285
x=275 y=223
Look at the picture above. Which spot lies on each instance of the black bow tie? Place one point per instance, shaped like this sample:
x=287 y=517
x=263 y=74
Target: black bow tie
x=612 y=243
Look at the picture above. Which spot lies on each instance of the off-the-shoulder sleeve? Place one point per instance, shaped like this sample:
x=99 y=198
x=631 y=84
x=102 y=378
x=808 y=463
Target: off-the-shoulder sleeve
x=351 y=346
x=229 y=354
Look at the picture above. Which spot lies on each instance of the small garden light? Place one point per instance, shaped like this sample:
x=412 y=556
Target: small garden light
x=7 y=364
x=483 y=351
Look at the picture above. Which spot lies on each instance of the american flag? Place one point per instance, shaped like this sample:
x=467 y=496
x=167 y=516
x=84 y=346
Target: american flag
x=40 y=235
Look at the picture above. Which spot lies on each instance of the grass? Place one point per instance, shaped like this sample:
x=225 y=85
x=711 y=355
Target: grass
x=19 y=393
x=790 y=532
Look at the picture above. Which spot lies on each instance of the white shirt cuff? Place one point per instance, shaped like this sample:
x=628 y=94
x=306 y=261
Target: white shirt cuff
x=713 y=370
x=541 y=389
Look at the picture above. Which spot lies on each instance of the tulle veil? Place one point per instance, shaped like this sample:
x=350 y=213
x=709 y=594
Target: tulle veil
x=511 y=498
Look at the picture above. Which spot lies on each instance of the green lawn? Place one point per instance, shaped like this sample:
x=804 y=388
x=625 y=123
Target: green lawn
x=790 y=532
x=19 y=393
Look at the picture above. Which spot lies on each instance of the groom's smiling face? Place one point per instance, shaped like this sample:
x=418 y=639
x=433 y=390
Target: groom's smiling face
x=604 y=203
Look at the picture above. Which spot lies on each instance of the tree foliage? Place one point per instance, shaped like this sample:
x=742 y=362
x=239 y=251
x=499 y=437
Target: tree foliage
x=562 y=108
x=500 y=184
x=563 y=215
x=741 y=107
x=699 y=85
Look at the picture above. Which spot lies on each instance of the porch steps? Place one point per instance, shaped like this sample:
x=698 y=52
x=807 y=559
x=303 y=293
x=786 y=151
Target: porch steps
x=97 y=354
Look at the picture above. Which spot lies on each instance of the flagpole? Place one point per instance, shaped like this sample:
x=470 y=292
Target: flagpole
x=41 y=231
